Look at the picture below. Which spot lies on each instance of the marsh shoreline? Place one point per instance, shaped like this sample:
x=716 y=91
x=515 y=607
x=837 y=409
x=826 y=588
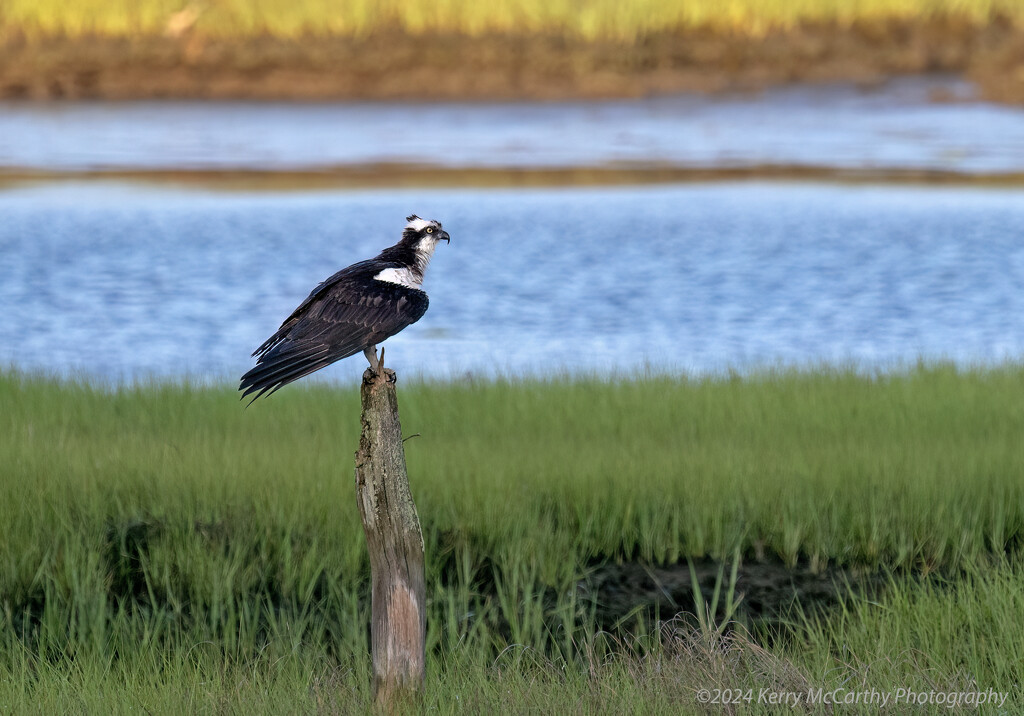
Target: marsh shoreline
x=398 y=66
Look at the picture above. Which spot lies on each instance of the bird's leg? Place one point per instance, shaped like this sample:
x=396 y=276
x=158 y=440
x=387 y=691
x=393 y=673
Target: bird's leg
x=371 y=355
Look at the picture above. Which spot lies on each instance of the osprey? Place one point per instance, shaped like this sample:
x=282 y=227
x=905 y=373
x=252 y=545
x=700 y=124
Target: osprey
x=352 y=311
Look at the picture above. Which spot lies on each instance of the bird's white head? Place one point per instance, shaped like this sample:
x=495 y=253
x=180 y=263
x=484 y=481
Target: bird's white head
x=417 y=224
x=422 y=236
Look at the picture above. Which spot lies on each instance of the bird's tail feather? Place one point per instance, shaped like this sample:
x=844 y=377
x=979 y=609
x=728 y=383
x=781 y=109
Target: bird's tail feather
x=280 y=368
x=288 y=361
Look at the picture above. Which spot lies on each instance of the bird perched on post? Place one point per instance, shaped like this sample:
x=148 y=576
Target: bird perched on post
x=352 y=311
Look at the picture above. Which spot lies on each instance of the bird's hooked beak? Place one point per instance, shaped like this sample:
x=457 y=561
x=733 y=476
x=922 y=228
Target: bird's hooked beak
x=443 y=236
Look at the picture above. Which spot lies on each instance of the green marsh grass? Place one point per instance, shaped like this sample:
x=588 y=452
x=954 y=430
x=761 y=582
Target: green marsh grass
x=589 y=20
x=165 y=545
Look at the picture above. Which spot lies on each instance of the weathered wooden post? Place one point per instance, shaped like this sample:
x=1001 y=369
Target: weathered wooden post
x=395 y=540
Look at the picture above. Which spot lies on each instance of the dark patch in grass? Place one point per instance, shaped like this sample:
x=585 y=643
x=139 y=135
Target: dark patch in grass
x=126 y=545
x=770 y=591
x=452 y=548
x=25 y=614
x=1014 y=543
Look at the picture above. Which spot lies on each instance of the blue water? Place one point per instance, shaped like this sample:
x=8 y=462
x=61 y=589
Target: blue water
x=118 y=282
x=895 y=126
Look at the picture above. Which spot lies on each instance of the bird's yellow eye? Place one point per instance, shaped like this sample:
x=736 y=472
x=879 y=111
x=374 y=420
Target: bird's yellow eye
x=430 y=230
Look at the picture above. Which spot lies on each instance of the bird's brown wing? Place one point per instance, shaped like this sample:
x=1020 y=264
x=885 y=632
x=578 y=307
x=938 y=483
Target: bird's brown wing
x=340 y=318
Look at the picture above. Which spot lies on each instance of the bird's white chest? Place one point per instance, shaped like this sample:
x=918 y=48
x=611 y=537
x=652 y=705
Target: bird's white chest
x=403 y=277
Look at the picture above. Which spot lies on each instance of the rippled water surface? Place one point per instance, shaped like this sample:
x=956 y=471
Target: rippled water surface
x=897 y=126
x=119 y=282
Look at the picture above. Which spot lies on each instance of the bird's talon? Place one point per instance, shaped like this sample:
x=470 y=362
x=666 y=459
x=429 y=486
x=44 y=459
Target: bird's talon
x=371 y=357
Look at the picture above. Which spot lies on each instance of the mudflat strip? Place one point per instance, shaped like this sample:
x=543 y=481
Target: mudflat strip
x=412 y=175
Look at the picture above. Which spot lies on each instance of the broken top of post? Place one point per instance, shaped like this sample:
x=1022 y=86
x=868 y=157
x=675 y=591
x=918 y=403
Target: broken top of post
x=395 y=541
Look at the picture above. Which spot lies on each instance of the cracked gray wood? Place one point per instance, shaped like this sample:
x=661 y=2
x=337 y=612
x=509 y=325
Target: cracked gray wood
x=395 y=541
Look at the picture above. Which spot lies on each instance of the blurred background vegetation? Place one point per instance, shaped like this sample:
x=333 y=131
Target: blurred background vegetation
x=516 y=49
x=593 y=20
